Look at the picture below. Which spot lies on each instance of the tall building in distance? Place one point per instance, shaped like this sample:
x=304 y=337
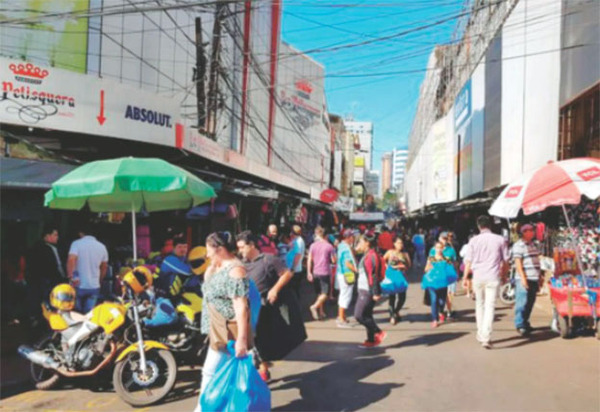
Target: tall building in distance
x=399 y=158
x=386 y=172
x=364 y=132
x=372 y=183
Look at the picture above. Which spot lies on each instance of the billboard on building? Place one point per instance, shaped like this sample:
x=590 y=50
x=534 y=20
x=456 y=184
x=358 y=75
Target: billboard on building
x=51 y=98
x=57 y=42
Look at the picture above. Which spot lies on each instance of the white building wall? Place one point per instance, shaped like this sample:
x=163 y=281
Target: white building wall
x=530 y=86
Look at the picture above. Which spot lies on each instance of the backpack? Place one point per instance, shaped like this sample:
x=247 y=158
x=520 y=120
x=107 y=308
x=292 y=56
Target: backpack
x=380 y=266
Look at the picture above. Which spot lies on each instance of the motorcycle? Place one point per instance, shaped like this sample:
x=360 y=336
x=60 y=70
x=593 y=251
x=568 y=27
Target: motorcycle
x=178 y=327
x=508 y=291
x=84 y=345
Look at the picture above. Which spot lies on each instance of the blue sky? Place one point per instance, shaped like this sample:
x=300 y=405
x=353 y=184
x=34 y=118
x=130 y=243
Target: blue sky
x=388 y=101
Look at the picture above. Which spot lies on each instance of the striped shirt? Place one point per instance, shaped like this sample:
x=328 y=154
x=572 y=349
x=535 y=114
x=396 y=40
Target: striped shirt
x=530 y=256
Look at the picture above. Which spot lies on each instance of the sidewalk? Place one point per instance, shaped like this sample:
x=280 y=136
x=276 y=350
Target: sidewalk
x=14 y=369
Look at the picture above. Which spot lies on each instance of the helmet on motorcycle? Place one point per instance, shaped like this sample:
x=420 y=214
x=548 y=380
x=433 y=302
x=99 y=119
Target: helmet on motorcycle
x=197 y=260
x=62 y=297
x=139 y=279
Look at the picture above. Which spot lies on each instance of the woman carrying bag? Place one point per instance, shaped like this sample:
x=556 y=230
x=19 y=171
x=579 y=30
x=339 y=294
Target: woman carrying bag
x=226 y=313
x=398 y=259
x=439 y=273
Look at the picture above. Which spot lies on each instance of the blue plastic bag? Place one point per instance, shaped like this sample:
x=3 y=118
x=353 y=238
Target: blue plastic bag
x=236 y=387
x=394 y=282
x=164 y=315
x=440 y=276
x=255 y=304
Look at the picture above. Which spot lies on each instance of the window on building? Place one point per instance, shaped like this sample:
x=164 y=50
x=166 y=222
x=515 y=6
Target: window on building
x=580 y=126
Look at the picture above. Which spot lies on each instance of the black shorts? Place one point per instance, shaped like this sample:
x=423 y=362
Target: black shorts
x=322 y=284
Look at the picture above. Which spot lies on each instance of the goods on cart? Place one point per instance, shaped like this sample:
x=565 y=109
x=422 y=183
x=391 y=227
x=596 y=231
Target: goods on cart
x=575 y=306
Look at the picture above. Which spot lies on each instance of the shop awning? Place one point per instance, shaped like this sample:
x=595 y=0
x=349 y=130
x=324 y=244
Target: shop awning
x=30 y=174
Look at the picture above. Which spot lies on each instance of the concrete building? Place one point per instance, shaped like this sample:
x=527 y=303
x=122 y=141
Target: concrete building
x=399 y=158
x=364 y=132
x=386 y=172
x=516 y=88
x=372 y=183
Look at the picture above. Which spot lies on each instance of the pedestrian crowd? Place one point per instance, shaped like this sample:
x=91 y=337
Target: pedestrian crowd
x=348 y=264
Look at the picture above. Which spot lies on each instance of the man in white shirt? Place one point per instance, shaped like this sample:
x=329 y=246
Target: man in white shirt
x=86 y=268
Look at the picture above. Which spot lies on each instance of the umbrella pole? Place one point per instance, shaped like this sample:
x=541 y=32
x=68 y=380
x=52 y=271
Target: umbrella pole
x=134 y=233
x=574 y=244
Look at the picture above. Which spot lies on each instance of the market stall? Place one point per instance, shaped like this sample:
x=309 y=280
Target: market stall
x=575 y=286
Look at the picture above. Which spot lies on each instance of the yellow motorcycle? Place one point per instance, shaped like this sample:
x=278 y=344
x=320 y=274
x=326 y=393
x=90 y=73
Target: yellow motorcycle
x=84 y=345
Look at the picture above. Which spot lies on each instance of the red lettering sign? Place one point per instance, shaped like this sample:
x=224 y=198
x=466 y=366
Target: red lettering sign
x=513 y=192
x=589 y=174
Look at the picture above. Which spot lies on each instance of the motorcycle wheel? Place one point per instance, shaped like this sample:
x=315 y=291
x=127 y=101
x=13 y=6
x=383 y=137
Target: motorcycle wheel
x=142 y=390
x=508 y=294
x=43 y=378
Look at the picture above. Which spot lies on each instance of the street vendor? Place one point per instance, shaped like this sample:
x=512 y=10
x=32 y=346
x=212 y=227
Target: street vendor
x=527 y=263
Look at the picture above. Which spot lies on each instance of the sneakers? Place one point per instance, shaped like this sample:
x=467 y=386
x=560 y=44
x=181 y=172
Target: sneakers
x=343 y=324
x=393 y=321
x=380 y=337
x=486 y=345
x=442 y=317
x=523 y=331
x=265 y=375
x=368 y=345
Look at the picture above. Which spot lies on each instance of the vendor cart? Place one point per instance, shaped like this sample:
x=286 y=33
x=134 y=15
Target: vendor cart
x=575 y=308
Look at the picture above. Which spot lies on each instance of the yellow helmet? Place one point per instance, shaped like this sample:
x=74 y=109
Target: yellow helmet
x=198 y=260
x=139 y=279
x=62 y=297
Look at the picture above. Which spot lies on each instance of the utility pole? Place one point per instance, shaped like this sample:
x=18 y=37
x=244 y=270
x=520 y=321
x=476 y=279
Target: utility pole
x=199 y=76
x=214 y=71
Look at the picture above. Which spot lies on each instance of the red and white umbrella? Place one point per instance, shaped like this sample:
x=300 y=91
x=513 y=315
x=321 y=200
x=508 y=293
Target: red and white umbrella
x=555 y=184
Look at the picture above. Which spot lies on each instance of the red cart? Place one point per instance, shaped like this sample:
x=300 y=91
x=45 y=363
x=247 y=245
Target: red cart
x=572 y=305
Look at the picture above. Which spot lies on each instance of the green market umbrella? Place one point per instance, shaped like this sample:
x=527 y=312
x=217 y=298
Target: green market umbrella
x=128 y=184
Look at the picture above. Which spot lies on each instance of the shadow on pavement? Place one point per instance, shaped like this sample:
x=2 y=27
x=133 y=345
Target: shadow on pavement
x=327 y=351
x=537 y=335
x=187 y=386
x=431 y=339
x=337 y=386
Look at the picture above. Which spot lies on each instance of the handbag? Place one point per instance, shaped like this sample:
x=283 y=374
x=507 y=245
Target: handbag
x=350 y=278
x=222 y=330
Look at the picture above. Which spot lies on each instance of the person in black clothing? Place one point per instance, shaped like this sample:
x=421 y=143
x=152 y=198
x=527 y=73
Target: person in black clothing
x=280 y=327
x=44 y=270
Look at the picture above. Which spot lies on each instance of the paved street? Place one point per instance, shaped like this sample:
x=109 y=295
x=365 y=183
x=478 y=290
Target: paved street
x=417 y=369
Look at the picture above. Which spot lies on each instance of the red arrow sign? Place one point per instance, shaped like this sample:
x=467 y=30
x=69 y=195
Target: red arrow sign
x=100 y=117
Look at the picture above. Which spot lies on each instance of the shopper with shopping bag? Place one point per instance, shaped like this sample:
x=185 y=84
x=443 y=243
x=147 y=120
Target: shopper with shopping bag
x=439 y=273
x=394 y=285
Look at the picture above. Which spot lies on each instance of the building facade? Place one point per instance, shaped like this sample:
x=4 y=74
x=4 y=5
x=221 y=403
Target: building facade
x=372 y=183
x=364 y=132
x=518 y=89
x=212 y=79
x=399 y=158
x=386 y=172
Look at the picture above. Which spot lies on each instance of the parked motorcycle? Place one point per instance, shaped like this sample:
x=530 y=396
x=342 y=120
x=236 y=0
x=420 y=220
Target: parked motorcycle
x=84 y=345
x=508 y=291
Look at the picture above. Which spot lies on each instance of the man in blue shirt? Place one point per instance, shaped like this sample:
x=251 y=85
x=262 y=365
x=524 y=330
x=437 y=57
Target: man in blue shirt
x=294 y=258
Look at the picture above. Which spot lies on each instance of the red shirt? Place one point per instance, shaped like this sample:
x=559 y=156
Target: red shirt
x=385 y=241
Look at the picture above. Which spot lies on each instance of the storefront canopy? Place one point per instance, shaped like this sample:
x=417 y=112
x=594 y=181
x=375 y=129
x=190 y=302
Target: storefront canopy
x=30 y=174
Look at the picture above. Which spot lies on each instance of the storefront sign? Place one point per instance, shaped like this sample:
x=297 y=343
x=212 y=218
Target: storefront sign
x=50 y=98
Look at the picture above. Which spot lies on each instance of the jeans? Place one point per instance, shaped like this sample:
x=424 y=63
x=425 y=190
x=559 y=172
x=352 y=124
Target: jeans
x=525 y=298
x=86 y=299
x=485 y=302
x=396 y=301
x=363 y=312
x=438 y=302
